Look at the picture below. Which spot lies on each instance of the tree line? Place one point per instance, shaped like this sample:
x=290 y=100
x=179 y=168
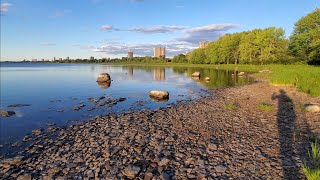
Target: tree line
x=263 y=46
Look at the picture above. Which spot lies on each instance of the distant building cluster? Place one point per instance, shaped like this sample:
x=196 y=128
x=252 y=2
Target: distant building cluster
x=160 y=52
x=203 y=44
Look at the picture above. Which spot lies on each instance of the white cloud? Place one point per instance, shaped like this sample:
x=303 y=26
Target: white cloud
x=48 y=44
x=205 y=33
x=157 y=29
x=59 y=14
x=106 y=27
x=4 y=7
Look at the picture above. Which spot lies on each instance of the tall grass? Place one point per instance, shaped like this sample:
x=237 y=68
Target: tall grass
x=312 y=172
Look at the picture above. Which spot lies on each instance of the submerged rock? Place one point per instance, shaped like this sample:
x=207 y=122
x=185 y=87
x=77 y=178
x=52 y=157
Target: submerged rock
x=104 y=77
x=196 y=74
x=19 y=105
x=159 y=95
x=7 y=113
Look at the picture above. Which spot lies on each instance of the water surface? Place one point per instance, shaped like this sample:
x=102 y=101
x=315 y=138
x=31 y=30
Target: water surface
x=53 y=90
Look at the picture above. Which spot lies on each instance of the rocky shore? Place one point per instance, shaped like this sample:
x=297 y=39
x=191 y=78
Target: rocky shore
x=255 y=131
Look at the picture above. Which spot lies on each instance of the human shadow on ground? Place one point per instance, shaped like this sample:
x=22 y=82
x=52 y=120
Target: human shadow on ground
x=294 y=140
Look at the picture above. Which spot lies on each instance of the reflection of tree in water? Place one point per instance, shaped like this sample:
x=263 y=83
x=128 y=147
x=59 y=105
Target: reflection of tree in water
x=219 y=78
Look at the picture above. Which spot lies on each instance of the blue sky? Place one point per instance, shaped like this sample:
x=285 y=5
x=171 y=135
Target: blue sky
x=109 y=28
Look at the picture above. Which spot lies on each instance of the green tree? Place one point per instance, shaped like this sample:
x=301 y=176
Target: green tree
x=305 y=39
x=198 y=56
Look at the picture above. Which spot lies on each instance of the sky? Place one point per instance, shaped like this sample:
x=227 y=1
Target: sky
x=44 y=29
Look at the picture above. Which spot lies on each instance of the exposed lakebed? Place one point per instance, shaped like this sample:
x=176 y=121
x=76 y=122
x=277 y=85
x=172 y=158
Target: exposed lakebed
x=43 y=95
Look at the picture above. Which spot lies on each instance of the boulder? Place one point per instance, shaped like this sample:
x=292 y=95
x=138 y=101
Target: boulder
x=131 y=171
x=159 y=95
x=312 y=107
x=4 y=113
x=104 y=77
x=196 y=74
x=207 y=79
x=104 y=85
x=241 y=73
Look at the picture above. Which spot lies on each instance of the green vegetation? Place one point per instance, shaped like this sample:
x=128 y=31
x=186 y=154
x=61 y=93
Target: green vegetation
x=312 y=171
x=230 y=106
x=265 y=107
x=305 y=40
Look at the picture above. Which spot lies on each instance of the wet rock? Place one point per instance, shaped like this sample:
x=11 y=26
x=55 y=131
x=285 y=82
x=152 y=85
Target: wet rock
x=19 y=105
x=122 y=99
x=27 y=138
x=312 y=107
x=196 y=74
x=4 y=113
x=159 y=95
x=37 y=132
x=103 y=77
x=131 y=171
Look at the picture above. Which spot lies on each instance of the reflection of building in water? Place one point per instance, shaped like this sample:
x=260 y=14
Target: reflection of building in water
x=130 y=71
x=159 y=74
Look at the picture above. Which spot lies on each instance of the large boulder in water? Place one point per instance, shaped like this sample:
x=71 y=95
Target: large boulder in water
x=159 y=95
x=104 y=77
x=196 y=74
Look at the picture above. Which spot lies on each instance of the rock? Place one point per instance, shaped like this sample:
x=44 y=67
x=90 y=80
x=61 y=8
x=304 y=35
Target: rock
x=207 y=79
x=212 y=147
x=196 y=74
x=27 y=138
x=122 y=99
x=104 y=85
x=131 y=171
x=24 y=177
x=241 y=73
x=159 y=95
x=163 y=162
x=148 y=176
x=12 y=161
x=312 y=107
x=19 y=105
x=37 y=132
x=4 y=113
x=54 y=170
x=220 y=169
x=103 y=77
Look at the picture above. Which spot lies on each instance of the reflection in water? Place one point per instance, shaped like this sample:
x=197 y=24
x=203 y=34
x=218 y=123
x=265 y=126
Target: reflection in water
x=130 y=71
x=158 y=100
x=104 y=85
x=159 y=74
x=195 y=78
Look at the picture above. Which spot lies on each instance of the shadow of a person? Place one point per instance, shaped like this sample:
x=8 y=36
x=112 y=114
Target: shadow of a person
x=286 y=120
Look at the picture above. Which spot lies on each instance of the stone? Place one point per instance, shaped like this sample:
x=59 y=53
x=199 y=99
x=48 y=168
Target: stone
x=36 y=132
x=148 y=176
x=54 y=170
x=312 y=107
x=207 y=79
x=196 y=74
x=163 y=162
x=212 y=147
x=104 y=77
x=24 y=177
x=220 y=169
x=4 y=113
x=241 y=73
x=159 y=95
x=131 y=171
x=12 y=161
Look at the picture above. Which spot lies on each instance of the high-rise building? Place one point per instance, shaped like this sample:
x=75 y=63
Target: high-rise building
x=203 y=44
x=92 y=58
x=130 y=54
x=68 y=58
x=160 y=52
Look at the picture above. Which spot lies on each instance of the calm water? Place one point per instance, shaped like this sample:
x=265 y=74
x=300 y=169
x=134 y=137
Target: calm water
x=53 y=90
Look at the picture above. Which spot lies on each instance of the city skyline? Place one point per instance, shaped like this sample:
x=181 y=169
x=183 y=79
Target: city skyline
x=100 y=28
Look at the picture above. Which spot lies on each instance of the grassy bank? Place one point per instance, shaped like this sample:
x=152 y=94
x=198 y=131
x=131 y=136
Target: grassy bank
x=304 y=77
